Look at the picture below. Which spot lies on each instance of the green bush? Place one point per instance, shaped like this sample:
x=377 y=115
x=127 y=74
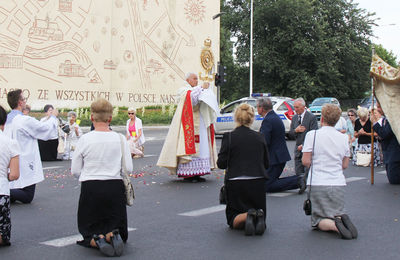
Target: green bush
x=151 y=115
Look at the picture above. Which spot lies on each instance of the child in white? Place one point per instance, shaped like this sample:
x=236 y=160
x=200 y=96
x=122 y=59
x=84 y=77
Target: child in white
x=71 y=139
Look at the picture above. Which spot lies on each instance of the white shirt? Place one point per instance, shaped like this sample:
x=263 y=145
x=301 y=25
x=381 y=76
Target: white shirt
x=302 y=116
x=98 y=156
x=341 y=124
x=8 y=149
x=331 y=147
x=138 y=125
x=26 y=131
x=54 y=134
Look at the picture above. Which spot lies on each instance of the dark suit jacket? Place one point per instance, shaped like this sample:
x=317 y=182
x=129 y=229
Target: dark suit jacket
x=248 y=155
x=390 y=145
x=274 y=132
x=309 y=121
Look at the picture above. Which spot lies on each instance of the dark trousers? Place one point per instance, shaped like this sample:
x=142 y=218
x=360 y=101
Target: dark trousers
x=48 y=149
x=393 y=172
x=276 y=184
x=25 y=195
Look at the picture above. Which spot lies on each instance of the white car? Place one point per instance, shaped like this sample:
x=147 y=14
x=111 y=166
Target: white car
x=283 y=106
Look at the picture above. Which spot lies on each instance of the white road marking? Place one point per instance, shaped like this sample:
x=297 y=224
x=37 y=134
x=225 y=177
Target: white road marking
x=205 y=211
x=66 y=241
x=150 y=155
x=52 y=167
x=382 y=172
x=351 y=179
x=281 y=194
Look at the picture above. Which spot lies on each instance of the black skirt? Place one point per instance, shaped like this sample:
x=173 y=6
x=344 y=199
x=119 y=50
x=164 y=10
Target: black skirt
x=243 y=195
x=102 y=208
x=48 y=149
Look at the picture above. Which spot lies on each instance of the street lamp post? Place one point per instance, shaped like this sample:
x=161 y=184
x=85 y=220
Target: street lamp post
x=251 y=47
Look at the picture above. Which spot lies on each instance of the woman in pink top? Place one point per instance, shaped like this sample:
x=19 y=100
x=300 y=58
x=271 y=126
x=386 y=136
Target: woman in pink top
x=134 y=133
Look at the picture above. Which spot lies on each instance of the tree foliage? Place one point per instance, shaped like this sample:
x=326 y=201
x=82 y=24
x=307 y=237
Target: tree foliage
x=386 y=55
x=307 y=48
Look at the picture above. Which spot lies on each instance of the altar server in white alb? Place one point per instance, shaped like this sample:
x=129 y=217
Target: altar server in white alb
x=27 y=130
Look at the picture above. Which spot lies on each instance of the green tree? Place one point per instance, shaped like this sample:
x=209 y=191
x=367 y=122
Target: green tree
x=386 y=55
x=305 y=48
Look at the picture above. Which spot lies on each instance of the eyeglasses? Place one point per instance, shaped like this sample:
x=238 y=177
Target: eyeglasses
x=130 y=113
x=350 y=115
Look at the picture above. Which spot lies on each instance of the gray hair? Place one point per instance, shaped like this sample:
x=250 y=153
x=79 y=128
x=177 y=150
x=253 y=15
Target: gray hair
x=264 y=103
x=362 y=112
x=71 y=113
x=189 y=74
x=132 y=109
x=301 y=100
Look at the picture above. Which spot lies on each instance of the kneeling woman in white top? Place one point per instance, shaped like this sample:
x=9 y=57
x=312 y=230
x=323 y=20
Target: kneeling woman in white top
x=102 y=217
x=134 y=133
x=9 y=159
x=325 y=178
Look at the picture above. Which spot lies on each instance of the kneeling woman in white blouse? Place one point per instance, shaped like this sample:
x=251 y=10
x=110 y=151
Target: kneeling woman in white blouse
x=102 y=217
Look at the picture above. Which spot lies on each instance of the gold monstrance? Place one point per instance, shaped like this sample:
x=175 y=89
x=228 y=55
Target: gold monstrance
x=207 y=61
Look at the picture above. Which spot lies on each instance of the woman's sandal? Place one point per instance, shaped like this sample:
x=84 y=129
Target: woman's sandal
x=103 y=246
x=117 y=243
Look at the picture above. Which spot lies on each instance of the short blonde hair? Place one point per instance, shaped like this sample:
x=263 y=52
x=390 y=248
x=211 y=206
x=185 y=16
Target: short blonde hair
x=244 y=115
x=331 y=114
x=101 y=110
x=132 y=109
x=362 y=112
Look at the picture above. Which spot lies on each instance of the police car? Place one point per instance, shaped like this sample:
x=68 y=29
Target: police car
x=283 y=106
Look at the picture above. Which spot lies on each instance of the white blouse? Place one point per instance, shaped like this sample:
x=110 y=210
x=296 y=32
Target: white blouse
x=98 y=156
x=8 y=149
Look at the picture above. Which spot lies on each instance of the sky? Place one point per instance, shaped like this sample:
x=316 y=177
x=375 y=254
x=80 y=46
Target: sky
x=388 y=31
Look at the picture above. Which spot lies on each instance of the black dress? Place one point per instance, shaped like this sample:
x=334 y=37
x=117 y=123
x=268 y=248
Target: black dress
x=102 y=208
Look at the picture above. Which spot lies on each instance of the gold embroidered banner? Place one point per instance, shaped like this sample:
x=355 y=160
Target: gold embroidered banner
x=387 y=91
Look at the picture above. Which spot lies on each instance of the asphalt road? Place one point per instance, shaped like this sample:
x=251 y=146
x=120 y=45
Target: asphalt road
x=171 y=219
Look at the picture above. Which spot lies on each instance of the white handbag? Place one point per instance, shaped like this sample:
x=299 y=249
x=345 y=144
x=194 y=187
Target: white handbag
x=129 y=192
x=363 y=159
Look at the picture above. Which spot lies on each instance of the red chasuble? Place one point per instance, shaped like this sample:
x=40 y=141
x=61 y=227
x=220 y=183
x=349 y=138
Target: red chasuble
x=188 y=126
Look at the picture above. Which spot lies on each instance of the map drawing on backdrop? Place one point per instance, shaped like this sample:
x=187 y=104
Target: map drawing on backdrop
x=131 y=52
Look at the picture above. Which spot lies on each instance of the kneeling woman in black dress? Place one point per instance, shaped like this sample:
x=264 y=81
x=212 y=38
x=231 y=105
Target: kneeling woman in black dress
x=102 y=218
x=244 y=154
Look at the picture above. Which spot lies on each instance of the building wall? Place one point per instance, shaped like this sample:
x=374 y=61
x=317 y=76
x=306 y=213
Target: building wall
x=154 y=43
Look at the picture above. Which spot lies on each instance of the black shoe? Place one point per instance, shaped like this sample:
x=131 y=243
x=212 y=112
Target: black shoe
x=260 y=222
x=103 y=246
x=249 y=227
x=302 y=184
x=343 y=231
x=200 y=179
x=117 y=243
x=349 y=225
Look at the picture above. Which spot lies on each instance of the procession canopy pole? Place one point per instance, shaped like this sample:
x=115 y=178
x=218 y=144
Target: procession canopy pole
x=372 y=128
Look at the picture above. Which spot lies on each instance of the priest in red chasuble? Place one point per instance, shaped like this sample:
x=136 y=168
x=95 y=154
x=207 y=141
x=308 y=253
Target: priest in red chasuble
x=189 y=150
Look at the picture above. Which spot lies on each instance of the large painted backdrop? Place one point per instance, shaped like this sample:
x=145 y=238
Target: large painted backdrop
x=131 y=52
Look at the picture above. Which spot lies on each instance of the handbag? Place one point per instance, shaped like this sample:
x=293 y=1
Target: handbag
x=129 y=192
x=363 y=158
x=222 y=191
x=307 y=206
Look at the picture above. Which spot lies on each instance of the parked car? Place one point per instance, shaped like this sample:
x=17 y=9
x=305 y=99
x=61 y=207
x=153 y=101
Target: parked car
x=283 y=106
x=366 y=102
x=316 y=105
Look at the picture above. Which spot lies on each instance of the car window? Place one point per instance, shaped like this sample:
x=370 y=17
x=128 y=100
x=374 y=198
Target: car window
x=252 y=103
x=282 y=107
x=230 y=108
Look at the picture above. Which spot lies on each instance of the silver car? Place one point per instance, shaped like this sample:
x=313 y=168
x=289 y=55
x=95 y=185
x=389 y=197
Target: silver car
x=283 y=106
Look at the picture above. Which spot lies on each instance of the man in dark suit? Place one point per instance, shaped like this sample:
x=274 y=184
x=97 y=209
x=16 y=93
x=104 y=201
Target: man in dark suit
x=302 y=122
x=274 y=132
x=390 y=146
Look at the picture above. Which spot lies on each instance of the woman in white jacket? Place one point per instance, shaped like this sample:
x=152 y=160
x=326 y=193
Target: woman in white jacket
x=134 y=133
x=97 y=161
